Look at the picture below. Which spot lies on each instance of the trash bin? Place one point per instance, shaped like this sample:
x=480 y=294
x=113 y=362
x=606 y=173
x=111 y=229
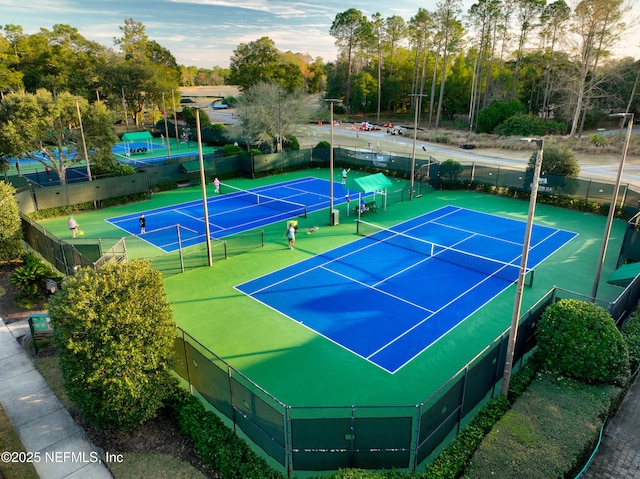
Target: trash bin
x=335 y=217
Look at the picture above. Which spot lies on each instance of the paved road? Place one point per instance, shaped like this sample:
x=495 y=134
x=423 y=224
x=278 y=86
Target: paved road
x=344 y=136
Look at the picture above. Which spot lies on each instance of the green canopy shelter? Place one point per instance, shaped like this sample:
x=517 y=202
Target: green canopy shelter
x=376 y=184
x=137 y=136
x=135 y=139
x=624 y=274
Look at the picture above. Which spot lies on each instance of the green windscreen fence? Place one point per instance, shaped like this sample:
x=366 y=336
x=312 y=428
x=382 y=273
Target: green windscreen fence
x=89 y=191
x=347 y=437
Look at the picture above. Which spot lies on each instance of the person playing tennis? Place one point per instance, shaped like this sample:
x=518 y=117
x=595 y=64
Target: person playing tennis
x=72 y=224
x=291 y=235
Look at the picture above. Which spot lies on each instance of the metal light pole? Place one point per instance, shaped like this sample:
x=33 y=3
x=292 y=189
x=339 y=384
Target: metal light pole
x=166 y=127
x=517 y=304
x=331 y=102
x=418 y=97
x=612 y=206
x=84 y=143
x=203 y=182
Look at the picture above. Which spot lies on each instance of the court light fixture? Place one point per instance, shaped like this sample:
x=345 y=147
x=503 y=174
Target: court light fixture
x=613 y=204
x=517 y=303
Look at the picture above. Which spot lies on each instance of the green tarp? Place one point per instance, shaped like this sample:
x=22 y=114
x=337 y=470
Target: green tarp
x=369 y=184
x=192 y=166
x=137 y=136
x=624 y=274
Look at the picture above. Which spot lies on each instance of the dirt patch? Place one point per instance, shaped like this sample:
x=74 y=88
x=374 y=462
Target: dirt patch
x=160 y=435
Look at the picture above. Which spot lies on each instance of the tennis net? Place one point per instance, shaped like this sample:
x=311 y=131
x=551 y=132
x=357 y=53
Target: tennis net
x=284 y=206
x=482 y=264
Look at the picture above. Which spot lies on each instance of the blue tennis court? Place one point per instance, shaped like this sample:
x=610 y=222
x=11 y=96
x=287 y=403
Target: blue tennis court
x=231 y=212
x=391 y=294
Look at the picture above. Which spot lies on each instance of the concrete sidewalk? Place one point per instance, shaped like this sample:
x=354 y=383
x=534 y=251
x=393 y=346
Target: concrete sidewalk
x=57 y=445
x=618 y=456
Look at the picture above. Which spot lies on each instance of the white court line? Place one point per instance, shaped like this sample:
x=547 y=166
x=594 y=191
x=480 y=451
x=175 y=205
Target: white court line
x=379 y=290
x=438 y=310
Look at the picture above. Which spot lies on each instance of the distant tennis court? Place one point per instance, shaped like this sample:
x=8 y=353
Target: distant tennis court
x=232 y=211
x=394 y=292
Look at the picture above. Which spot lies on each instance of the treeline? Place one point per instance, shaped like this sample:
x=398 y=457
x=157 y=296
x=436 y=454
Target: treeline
x=553 y=59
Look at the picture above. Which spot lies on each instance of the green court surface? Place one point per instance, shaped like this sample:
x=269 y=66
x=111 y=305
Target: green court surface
x=299 y=367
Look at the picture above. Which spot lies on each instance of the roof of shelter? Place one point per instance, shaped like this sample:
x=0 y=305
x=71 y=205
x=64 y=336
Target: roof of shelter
x=137 y=136
x=624 y=274
x=371 y=183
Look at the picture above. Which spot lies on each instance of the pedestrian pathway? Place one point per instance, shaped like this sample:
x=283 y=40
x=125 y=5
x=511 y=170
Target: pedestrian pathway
x=618 y=456
x=54 y=442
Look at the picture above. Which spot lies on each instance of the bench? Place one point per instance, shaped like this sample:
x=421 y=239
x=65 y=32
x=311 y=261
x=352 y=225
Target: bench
x=369 y=206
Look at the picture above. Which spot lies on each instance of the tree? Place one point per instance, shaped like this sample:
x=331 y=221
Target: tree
x=115 y=333
x=269 y=114
x=558 y=160
x=140 y=77
x=555 y=17
x=450 y=32
x=253 y=62
x=10 y=224
x=597 y=25
x=39 y=127
x=59 y=60
x=134 y=39
x=348 y=29
x=528 y=11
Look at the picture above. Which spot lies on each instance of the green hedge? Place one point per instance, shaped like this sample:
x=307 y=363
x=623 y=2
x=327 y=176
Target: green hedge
x=580 y=340
x=631 y=335
x=217 y=445
x=549 y=432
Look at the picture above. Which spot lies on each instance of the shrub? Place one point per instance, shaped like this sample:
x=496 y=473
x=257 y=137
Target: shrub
x=114 y=332
x=450 y=170
x=548 y=432
x=580 y=340
x=10 y=224
x=31 y=276
x=598 y=140
x=631 y=335
x=28 y=278
x=216 y=444
x=291 y=143
x=497 y=112
x=521 y=125
x=323 y=144
x=231 y=150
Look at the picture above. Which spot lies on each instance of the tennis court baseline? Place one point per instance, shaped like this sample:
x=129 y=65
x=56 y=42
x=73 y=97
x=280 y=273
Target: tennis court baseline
x=390 y=295
x=231 y=212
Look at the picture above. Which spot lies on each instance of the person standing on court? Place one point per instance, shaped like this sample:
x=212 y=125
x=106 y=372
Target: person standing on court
x=216 y=183
x=143 y=224
x=344 y=176
x=291 y=235
x=72 y=224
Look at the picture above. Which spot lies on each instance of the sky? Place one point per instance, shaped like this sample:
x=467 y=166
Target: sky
x=204 y=33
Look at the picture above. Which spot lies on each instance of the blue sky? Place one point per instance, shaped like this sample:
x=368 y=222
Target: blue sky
x=204 y=33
